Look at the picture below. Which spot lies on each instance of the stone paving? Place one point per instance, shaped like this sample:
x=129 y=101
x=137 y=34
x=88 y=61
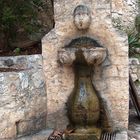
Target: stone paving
x=134 y=125
x=133 y=132
x=134 y=122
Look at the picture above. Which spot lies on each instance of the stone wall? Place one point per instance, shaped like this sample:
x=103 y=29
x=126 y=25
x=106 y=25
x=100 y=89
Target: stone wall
x=124 y=13
x=24 y=106
x=60 y=79
x=22 y=96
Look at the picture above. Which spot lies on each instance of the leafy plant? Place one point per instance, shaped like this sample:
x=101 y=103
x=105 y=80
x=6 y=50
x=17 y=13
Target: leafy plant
x=17 y=51
x=134 y=42
x=134 y=38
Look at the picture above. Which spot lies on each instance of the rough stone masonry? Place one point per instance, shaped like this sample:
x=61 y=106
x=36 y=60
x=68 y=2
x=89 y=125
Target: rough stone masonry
x=22 y=96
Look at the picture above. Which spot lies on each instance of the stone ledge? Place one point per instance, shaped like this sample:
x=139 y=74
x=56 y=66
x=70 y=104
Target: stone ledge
x=23 y=62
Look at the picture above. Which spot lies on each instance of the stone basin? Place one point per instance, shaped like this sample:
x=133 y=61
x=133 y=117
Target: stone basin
x=93 y=56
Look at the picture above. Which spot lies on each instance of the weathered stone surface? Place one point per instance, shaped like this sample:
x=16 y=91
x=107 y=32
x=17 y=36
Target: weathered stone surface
x=38 y=79
x=60 y=79
x=134 y=135
x=124 y=13
x=22 y=62
x=22 y=97
x=134 y=69
x=134 y=61
x=42 y=135
x=34 y=124
x=122 y=136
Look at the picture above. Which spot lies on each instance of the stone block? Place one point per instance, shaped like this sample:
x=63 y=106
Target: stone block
x=134 y=77
x=134 y=61
x=33 y=125
x=122 y=136
x=123 y=70
x=110 y=71
x=8 y=132
x=38 y=79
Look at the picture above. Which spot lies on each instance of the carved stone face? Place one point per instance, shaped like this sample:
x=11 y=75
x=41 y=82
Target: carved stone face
x=82 y=17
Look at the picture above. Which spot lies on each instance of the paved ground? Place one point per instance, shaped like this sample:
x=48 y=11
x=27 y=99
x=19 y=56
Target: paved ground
x=133 y=132
x=134 y=125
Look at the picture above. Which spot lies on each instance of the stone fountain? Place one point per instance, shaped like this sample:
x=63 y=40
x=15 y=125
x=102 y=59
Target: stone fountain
x=86 y=64
x=84 y=108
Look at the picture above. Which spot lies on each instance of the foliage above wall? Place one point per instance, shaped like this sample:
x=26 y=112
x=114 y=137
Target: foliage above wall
x=20 y=18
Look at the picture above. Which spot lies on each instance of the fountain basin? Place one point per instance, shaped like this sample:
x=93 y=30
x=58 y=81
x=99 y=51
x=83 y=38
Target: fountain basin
x=93 y=56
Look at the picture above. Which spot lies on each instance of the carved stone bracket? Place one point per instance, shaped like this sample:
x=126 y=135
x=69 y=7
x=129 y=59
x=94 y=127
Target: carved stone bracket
x=66 y=57
x=93 y=56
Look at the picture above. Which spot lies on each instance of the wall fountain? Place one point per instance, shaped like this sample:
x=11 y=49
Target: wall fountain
x=84 y=110
x=86 y=64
